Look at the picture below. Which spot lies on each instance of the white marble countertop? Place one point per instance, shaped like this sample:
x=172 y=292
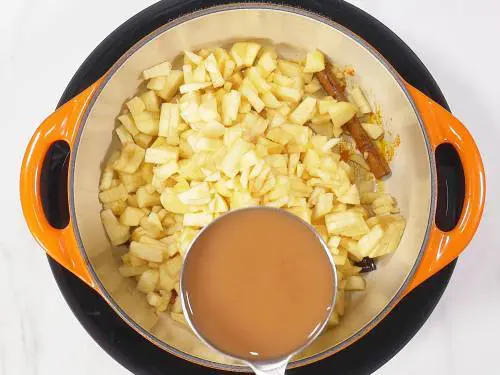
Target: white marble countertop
x=45 y=41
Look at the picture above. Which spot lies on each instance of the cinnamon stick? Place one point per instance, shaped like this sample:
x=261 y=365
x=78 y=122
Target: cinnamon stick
x=378 y=165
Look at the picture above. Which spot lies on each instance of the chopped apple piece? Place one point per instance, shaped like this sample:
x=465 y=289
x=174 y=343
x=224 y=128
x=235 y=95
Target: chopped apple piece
x=123 y=135
x=348 y=224
x=267 y=62
x=230 y=107
x=151 y=101
x=324 y=205
x=169 y=122
x=342 y=112
x=117 y=232
x=156 y=83
x=360 y=100
x=375 y=131
x=248 y=90
x=197 y=219
x=161 y=154
x=192 y=57
x=136 y=106
x=162 y=69
x=290 y=68
x=130 y=159
x=147 y=122
x=173 y=82
x=315 y=62
x=146 y=199
x=304 y=111
x=351 y=196
x=370 y=240
x=128 y=122
x=131 y=216
x=287 y=93
x=214 y=72
x=190 y=87
x=355 y=283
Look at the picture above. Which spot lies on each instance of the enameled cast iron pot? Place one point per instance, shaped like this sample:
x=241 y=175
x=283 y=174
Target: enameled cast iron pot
x=86 y=123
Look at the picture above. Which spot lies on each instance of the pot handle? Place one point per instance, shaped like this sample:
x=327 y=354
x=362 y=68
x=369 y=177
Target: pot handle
x=443 y=127
x=62 y=125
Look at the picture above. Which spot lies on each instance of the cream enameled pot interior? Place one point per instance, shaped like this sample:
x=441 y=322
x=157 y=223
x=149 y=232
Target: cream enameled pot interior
x=411 y=182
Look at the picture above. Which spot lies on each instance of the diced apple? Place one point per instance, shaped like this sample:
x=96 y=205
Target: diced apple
x=304 y=111
x=171 y=202
x=147 y=122
x=146 y=199
x=342 y=112
x=230 y=107
x=347 y=224
x=156 y=83
x=130 y=159
x=257 y=80
x=135 y=106
x=172 y=84
x=117 y=232
x=131 y=216
x=315 y=62
x=267 y=62
x=300 y=134
x=196 y=195
x=360 y=100
x=289 y=68
x=143 y=140
x=192 y=57
x=123 y=135
x=351 y=196
x=370 y=240
x=375 y=131
x=313 y=86
x=169 y=122
x=131 y=181
x=174 y=266
x=162 y=69
x=161 y=154
x=128 y=122
x=287 y=93
x=130 y=271
x=190 y=87
x=147 y=252
x=214 y=72
x=151 y=101
x=197 y=219
x=229 y=66
x=248 y=90
x=355 y=283
x=324 y=205
x=252 y=49
x=325 y=104
x=148 y=280
x=166 y=170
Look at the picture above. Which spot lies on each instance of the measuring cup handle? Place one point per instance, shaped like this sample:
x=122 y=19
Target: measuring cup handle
x=270 y=369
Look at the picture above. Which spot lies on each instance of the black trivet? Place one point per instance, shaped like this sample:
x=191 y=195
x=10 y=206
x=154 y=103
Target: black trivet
x=363 y=357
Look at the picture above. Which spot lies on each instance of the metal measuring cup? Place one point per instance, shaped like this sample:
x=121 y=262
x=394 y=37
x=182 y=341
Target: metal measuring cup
x=269 y=367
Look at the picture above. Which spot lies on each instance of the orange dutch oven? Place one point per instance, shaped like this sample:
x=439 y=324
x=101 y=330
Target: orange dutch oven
x=86 y=123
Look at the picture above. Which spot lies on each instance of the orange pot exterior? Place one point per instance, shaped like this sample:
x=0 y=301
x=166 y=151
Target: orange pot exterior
x=442 y=247
x=443 y=127
x=62 y=125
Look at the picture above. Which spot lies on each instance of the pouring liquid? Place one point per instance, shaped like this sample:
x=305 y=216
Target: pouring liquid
x=258 y=284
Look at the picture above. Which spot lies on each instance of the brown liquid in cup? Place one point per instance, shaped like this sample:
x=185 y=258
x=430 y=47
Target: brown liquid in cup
x=258 y=284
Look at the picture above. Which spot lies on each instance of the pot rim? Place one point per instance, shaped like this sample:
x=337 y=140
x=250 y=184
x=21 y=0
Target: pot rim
x=239 y=7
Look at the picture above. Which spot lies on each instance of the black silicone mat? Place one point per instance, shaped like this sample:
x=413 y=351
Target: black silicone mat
x=141 y=357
